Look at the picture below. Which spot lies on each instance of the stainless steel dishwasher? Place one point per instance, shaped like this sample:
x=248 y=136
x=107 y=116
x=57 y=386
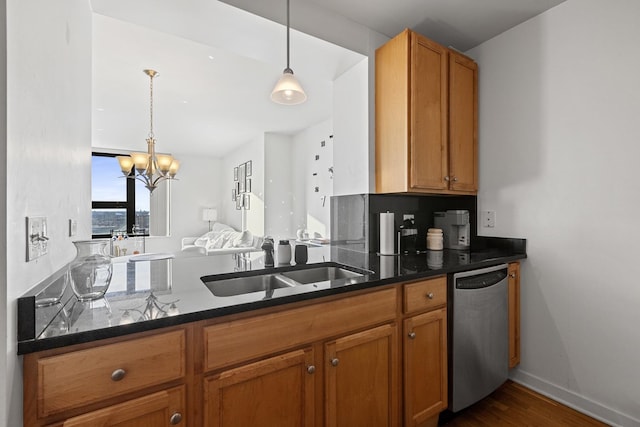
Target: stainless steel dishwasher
x=479 y=349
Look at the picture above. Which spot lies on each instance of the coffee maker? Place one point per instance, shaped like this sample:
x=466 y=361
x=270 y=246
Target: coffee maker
x=455 y=227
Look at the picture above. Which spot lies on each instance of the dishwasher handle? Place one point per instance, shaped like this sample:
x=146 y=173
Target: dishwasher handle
x=480 y=281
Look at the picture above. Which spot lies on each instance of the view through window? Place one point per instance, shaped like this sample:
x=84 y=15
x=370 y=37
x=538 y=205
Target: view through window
x=118 y=204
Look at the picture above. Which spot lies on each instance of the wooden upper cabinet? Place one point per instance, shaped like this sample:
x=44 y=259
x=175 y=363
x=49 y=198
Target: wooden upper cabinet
x=463 y=123
x=429 y=103
x=426 y=118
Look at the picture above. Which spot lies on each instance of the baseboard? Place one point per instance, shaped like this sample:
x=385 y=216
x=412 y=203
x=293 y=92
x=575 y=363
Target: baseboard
x=573 y=400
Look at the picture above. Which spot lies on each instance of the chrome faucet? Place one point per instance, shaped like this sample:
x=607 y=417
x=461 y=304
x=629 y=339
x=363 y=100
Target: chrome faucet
x=267 y=247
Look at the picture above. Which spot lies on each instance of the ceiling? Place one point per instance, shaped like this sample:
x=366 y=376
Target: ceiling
x=462 y=24
x=218 y=63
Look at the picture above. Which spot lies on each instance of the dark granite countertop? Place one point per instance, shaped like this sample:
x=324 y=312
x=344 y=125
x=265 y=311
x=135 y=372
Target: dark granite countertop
x=146 y=295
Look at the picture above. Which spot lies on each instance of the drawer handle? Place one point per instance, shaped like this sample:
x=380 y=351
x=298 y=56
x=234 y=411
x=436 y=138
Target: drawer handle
x=175 y=418
x=311 y=369
x=430 y=295
x=118 y=374
x=335 y=361
x=412 y=335
x=446 y=178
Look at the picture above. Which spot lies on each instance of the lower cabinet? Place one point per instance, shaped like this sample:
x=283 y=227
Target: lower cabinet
x=277 y=391
x=425 y=366
x=164 y=408
x=335 y=362
x=514 y=314
x=361 y=379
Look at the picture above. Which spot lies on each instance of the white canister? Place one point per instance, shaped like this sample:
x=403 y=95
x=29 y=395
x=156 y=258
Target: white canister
x=387 y=234
x=435 y=240
x=283 y=252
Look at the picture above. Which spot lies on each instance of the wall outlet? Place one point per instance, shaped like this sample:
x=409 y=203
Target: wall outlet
x=37 y=240
x=73 y=227
x=488 y=219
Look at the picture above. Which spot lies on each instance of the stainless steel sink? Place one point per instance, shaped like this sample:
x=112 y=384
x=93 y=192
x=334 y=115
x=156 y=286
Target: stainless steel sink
x=246 y=285
x=320 y=274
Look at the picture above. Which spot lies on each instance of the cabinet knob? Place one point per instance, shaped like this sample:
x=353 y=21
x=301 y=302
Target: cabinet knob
x=455 y=179
x=311 y=369
x=446 y=178
x=430 y=295
x=175 y=419
x=412 y=335
x=335 y=361
x=512 y=275
x=118 y=374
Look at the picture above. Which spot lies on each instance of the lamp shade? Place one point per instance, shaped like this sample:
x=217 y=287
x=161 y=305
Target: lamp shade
x=209 y=214
x=288 y=90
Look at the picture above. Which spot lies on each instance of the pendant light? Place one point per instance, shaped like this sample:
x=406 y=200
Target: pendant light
x=150 y=168
x=288 y=90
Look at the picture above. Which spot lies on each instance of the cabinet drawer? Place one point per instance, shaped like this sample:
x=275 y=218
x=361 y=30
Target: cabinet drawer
x=425 y=295
x=86 y=376
x=236 y=341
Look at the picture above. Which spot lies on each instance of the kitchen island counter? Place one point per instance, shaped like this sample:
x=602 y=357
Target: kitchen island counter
x=151 y=294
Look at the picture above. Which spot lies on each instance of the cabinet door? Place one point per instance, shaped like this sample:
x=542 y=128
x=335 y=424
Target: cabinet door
x=428 y=115
x=425 y=366
x=278 y=391
x=361 y=379
x=514 y=314
x=165 y=408
x=463 y=123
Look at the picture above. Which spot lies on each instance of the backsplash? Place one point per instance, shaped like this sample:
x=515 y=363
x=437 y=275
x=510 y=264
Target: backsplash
x=355 y=218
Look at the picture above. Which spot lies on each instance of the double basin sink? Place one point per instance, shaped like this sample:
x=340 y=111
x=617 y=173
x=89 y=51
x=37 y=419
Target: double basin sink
x=338 y=275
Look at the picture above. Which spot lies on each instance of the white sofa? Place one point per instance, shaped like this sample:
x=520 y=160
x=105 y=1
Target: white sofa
x=222 y=239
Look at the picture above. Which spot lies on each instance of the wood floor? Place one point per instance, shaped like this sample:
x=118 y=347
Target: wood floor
x=515 y=405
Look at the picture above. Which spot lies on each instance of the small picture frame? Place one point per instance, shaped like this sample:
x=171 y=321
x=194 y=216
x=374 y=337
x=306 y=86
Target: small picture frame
x=237 y=188
x=235 y=173
x=242 y=172
x=241 y=186
x=233 y=194
x=247 y=185
x=239 y=202
x=246 y=202
x=249 y=168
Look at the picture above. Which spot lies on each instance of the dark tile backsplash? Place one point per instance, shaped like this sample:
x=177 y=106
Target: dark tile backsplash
x=355 y=218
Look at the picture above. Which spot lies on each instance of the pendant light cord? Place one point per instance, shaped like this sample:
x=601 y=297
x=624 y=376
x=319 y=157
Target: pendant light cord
x=288 y=35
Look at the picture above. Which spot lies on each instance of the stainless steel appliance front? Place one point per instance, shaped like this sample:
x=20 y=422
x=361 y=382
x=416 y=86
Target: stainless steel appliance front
x=479 y=357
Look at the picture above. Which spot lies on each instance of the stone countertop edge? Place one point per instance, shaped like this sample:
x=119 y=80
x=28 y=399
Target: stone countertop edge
x=40 y=344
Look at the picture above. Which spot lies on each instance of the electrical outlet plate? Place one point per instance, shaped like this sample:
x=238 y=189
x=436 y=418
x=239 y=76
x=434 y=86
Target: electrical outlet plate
x=37 y=240
x=489 y=219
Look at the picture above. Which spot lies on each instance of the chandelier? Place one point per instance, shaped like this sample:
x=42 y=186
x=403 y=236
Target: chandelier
x=150 y=168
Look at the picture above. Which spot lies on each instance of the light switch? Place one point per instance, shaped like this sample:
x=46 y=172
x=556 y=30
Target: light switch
x=37 y=240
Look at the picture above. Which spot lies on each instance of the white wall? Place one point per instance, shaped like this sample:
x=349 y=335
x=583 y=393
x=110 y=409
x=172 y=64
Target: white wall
x=309 y=211
x=278 y=195
x=351 y=131
x=199 y=186
x=48 y=164
x=252 y=219
x=5 y=386
x=559 y=149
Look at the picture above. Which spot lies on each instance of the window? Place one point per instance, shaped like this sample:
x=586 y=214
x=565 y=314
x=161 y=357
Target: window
x=118 y=203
